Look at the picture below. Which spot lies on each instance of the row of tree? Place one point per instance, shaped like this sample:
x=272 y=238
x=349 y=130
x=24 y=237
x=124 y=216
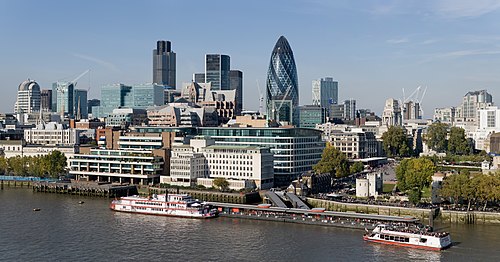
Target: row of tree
x=438 y=138
x=479 y=189
x=50 y=165
x=335 y=162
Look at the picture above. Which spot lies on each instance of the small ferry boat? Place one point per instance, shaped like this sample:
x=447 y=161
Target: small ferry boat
x=414 y=237
x=179 y=205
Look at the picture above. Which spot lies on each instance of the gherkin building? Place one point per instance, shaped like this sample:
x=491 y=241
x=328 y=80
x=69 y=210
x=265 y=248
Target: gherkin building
x=282 y=96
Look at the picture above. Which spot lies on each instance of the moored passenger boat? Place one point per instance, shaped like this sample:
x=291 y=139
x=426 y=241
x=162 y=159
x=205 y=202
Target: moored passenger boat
x=179 y=205
x=409 y=237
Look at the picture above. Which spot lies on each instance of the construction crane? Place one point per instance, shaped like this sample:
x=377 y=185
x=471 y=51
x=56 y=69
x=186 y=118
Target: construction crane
x=62 y=89
x=261 y=98
x=416 y=96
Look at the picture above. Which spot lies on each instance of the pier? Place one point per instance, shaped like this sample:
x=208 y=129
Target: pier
x=85 y=189
x=316 y=216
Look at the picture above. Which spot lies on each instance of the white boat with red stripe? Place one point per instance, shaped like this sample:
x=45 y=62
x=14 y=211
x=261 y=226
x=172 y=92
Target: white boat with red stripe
x=178 y=205
x=414 y=237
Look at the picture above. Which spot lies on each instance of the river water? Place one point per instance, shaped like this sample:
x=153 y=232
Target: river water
x=64 y=230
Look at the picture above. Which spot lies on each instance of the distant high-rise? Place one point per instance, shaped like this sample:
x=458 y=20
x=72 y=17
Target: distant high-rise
x=236 y=80
x=199 y=78
x=80 y=103
x=472 y=101
x=28 y=97
x=392 y=113
x=282 y=86
x=46 y=100
x=350 y=109
x=164 y=64
x=63 y=94
x=92 y=103
x=325 y=92
x=217 y=69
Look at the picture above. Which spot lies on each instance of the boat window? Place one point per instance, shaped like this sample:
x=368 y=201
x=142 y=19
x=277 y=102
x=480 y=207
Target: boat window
x=392 y=238
x=407 y=240
x=423 y=240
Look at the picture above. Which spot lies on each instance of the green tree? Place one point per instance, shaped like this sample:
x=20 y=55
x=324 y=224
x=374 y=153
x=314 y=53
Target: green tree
x=18 y=165
x=356 y=167
x=413 y=175
x=54 y=164
x=395 y=142
x=4 y=167
x=221 y=183
x=332 y=161
x=457 y=143
x=436 y=137
x=456 y=187
x=35 y=166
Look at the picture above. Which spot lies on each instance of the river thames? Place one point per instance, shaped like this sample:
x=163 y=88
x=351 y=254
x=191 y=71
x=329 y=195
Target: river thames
x=64 y=230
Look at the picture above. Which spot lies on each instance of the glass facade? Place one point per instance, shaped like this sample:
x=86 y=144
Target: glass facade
x=282 y=84
x=236 y=78
x=217 y=71
x=310 y=116
x=63 y=98
x=295 y=150
x=325 y=92
x=114 y=96
x=81 y=103
x=147 y=95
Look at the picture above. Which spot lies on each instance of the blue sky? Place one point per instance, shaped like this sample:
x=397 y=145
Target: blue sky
x=375 y=49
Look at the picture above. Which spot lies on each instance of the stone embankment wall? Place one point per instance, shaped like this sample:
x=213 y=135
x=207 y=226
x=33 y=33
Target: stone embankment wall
x=460 y=217
x=426 y=216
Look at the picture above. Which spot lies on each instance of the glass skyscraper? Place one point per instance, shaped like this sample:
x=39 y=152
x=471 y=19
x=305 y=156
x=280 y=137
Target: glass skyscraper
x=325 y=92
x=217 y=71
x=282 y=84
x=164 y=64
x=63 y=98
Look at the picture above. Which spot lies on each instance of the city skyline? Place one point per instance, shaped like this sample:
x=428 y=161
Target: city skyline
x=448 y=46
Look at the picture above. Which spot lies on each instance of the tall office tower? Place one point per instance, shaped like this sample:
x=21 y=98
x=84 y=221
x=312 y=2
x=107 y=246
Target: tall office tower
x=199 y=78
x=81 y=104
x=325 y=92
x=392 y=113
x=63 y=98
x=236 y=80
x=411 y=110
x=164 y=64
x=217 y=71
x=46 y=100
x=350 y=109
x=472 y=101
x=282 y=85
x=28 y=98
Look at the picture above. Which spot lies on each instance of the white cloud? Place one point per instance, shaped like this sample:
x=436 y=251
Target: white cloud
x=398 y=40
x=462 y=53
x=101 y=62
x=465 y=8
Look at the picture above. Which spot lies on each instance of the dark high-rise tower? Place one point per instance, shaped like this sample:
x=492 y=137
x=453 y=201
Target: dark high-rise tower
x=164 y=64
x=236 y=80
x=217 y=68
x=282 y=96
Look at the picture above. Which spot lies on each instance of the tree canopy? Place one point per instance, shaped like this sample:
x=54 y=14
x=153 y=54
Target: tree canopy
x=457 y=142
x=480 y=188
x=332 y=161
x=395 y=142
x=413 y=175
x=221 y=183
x=51 y=165
x=436 y=137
